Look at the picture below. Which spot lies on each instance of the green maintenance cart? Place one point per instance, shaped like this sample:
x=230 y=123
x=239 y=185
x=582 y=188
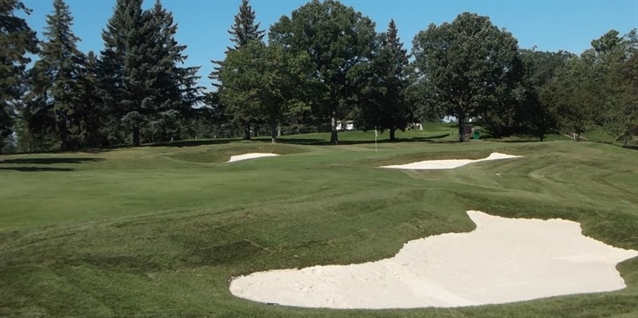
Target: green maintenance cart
x=476 y=134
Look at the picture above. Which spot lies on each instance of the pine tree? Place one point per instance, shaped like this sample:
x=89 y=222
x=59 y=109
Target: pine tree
x=89 y=97
x=141 y=67
x=175 y=87
x=138 y=66
x=16 y=39
x=385 y=104
x=60 y=71
x=126 y=67
x=394 y=111
x=111 y=70
x=243 y=31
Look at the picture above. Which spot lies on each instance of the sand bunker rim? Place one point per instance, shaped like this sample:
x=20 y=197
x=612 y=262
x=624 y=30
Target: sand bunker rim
x=519 y=259
x=448 y=163
x=254 y=155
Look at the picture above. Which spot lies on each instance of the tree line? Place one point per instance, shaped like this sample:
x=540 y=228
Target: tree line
x=322 y=63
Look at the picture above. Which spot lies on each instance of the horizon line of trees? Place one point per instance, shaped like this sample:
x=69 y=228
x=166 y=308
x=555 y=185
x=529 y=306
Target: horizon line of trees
x=322 y=63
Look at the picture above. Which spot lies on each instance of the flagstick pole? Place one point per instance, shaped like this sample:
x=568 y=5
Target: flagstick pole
x=375 y=140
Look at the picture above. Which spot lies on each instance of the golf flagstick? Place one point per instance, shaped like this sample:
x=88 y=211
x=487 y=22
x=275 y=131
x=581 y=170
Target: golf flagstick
x=375 y=140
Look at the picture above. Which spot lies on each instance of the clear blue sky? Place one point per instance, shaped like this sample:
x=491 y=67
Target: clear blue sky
x=550 y=25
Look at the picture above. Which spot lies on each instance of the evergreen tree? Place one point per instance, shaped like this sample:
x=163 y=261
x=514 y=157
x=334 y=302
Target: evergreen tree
x=174 y=90
x=111 y=71
x=141 y=68
x=16 y=39
x=89 y=97
x=386 y=105
x=59 y=69
x=138 y=69
x=243 y=31
x=120 y=75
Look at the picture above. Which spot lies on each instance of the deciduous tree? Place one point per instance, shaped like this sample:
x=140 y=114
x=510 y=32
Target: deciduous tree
x=339 y=41
x=266 y=82
x=472 y=68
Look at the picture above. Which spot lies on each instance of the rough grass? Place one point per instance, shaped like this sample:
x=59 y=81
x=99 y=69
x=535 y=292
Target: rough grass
x=160 y=231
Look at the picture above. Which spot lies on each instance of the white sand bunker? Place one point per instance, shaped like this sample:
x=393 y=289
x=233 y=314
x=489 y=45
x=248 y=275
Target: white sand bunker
x=447 y=164
x=503 y=260
x=251 y=156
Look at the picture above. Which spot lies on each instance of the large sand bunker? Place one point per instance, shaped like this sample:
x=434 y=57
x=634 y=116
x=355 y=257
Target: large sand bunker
x=251 y=156
x=447 y=164
x=502 y=260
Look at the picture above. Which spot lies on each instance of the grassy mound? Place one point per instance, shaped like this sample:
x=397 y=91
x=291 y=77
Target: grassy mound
x=159 y=231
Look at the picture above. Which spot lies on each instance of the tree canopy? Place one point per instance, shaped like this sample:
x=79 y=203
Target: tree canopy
x=471 y=67
x=16 y=39
x=339 y=41
x=384 y=104
x=323 y=63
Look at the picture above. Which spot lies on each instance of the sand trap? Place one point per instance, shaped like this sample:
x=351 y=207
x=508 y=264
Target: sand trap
x=251 y=156
x=503 y=260
x=447 y=164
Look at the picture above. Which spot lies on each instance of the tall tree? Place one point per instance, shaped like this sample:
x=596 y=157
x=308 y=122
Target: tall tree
x=577 y=94
x=339 y=41
x=126 y=67
x=111 y=68
x=59 y=69
x=89 y=97
x=386 y=106
x=244 y=30
x=174 y=86
x=617 y=69
x=538 y=112
x=16 y=40
x=266 y=81
x=471 y=66
x=138 y=68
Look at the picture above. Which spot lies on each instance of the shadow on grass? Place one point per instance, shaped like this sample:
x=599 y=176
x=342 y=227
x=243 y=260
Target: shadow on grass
x=515 y=140
x=434 y=137
x=192 y=143
x=47 y=161
x=326 y=142
x=36 y=169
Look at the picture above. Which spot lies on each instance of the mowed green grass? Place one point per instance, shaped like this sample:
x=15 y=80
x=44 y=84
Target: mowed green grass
x=160 y=231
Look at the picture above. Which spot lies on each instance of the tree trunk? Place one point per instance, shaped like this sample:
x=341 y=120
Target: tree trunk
x=334 y=137
x=136 y=136
x=278 y=131
x=541 y=136
x=64 y=135
x=462 y=128
x=273 y=134
x=392 y=130
x=247 y=132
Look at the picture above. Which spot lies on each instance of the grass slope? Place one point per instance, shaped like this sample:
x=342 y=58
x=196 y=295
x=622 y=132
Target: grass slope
x=159 y=231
